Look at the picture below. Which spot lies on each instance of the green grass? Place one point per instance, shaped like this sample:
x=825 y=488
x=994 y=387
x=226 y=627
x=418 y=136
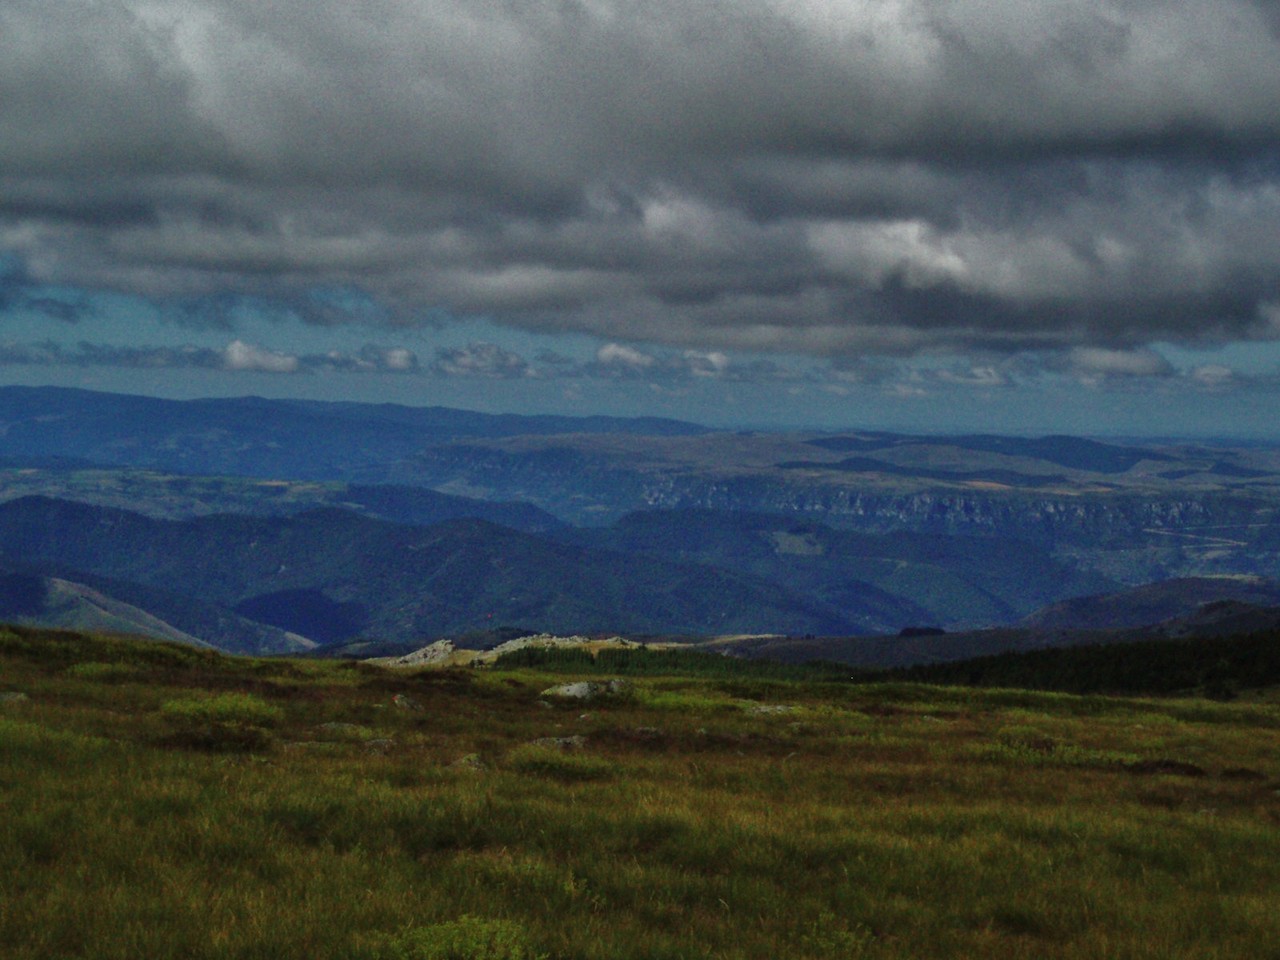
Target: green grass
x=877 y=821
x=665 y=661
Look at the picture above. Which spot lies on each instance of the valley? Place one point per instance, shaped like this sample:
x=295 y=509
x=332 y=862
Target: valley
x=287 y=525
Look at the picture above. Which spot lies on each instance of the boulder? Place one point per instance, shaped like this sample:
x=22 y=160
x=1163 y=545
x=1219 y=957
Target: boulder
x=586 y=689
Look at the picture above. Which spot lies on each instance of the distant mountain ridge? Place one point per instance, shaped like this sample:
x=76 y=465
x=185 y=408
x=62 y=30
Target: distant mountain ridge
x=276 y=584
x=65 y=604
x=397 y=583
x=838 y=532
x=1069 y=625
x=1153 y=603
x=1074 y=453
x=183 y=496
x=888 y=580
x=252 y=436
x=52 y=594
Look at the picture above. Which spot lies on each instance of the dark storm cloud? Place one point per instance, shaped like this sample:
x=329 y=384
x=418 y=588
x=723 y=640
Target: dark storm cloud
x=832 y=177
x=19 y=292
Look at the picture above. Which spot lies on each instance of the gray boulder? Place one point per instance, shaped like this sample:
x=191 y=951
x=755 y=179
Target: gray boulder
x=586 y=690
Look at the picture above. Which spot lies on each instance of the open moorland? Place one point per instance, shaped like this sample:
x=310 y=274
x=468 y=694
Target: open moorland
x=167 y=801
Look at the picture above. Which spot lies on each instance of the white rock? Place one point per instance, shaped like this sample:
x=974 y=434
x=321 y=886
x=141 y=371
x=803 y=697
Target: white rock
x=437 y=652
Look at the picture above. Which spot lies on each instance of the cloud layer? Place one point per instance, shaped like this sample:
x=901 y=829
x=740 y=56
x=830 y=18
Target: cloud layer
x=674 y=372
x=831 y=177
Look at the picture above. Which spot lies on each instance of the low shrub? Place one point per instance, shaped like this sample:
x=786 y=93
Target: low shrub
x=230 y=708
x=467 y=938
x=104 y=672
x=559 y=763
x=226 y=721
x=1029 y=746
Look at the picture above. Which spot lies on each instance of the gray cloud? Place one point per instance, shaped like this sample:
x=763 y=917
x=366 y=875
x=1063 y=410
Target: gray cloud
x=19 y=292
x=1096 y=363
x=238 y=355
x=55 y=309
x=837 y=178
x=84 y=354
x=1136 y=370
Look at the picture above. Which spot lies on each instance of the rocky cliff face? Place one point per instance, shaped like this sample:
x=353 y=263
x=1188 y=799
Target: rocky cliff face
x=1054 y=519
x=581 y=488
x=1130 y=534
x=951 y=510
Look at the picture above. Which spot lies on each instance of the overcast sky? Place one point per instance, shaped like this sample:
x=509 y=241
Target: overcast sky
x=922 y=214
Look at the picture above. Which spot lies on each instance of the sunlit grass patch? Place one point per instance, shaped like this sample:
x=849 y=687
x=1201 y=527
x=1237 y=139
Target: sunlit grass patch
x=29 y=741
x=344 y=732
x=103 y=672
x=224 y=721
x=685 y=701
x=1029 y=746
x=467 y=938
x=568 y=764
x=228 y=708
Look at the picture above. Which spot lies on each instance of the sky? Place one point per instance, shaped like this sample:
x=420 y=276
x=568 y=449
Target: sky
x=927 y=215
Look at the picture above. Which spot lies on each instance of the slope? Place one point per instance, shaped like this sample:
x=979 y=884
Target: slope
x=56 y=595
x=368 y=577
x=885 y=581
x=66 y=605
x=1152 y=603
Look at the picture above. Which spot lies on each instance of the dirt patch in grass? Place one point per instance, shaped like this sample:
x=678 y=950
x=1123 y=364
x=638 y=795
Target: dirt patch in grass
x=1177 y=768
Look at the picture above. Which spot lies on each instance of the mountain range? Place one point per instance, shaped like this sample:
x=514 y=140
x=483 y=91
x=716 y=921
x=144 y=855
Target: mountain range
x=256 y=437
x=262 y=525
x=1170 y=610
x=331 y=575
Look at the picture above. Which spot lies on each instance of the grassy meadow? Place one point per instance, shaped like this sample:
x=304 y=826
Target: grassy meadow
x=164 y=802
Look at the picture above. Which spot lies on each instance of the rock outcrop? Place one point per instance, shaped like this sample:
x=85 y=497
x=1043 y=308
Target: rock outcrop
x=587 y=690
